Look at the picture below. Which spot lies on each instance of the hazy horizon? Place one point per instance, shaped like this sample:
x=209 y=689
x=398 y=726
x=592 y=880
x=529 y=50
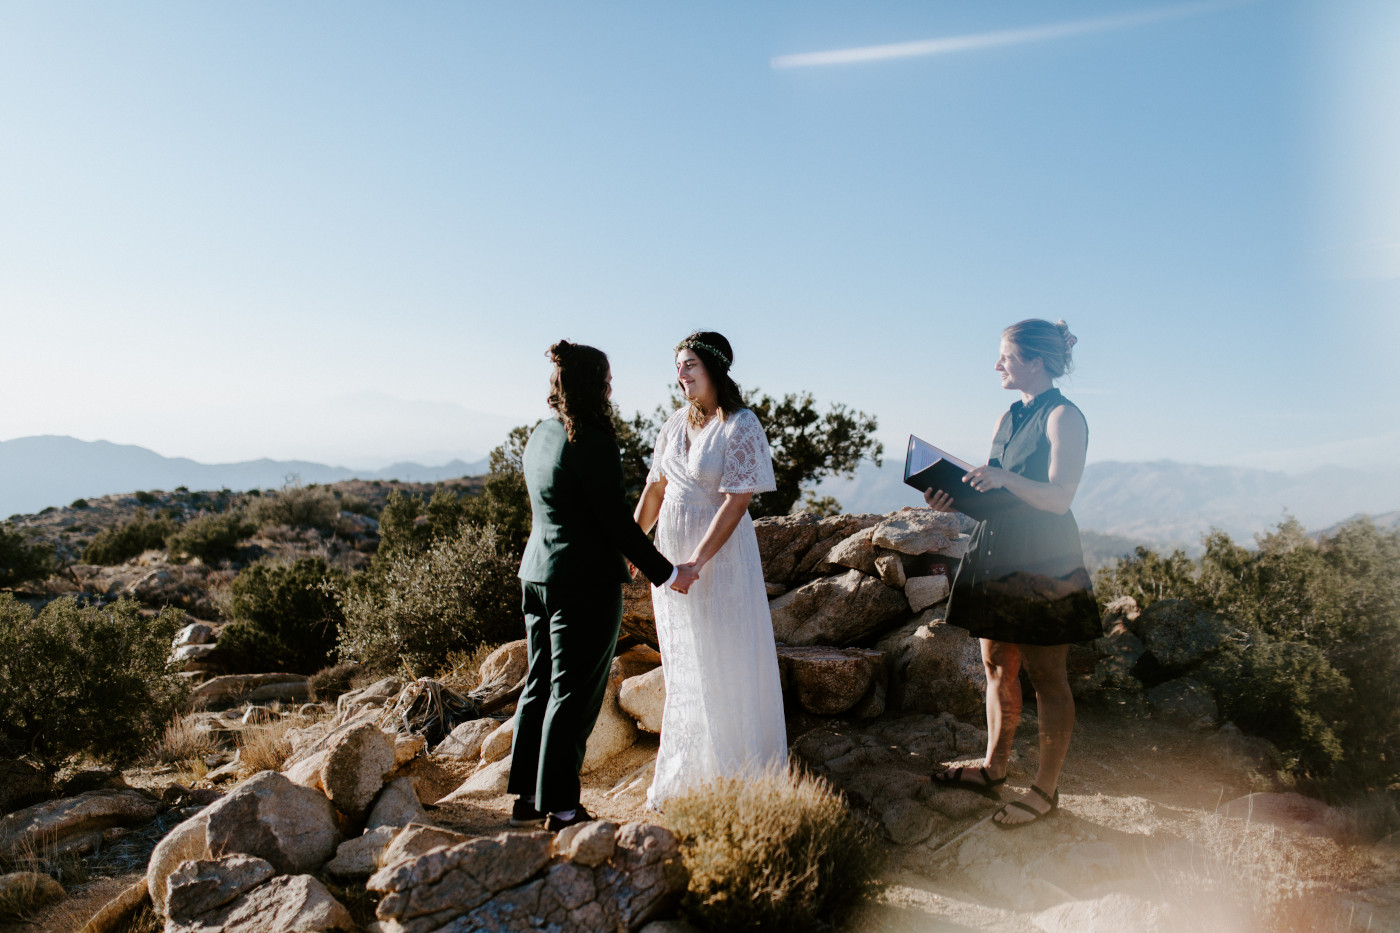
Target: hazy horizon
x=347 y=232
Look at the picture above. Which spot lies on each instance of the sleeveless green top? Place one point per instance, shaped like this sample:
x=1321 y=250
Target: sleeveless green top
x=1023 y=579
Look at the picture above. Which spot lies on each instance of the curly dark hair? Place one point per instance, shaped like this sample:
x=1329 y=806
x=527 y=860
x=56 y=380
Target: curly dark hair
x=704 y=344
x=578 y=388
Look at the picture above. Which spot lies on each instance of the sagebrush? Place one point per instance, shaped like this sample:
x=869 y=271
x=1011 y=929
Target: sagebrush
x=210 y=536
x=285 y=617
x=416 y=607
x=76 y=678
x=779 y=851
x=129 y=539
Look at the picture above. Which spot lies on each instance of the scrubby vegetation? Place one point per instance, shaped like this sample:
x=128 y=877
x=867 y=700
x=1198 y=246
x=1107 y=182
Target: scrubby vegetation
x=211 y=536
x=284 y=616
x=84 y=679
x=129 y=539
x=297 y=506
x=418 y=605
x=1316 y=667
x=21 y=559
x=777 y=852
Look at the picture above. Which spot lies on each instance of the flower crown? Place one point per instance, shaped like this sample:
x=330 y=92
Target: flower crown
x=693 y=344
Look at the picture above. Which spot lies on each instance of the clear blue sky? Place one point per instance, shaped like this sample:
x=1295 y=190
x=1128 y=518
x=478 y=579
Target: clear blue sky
x=227 y=228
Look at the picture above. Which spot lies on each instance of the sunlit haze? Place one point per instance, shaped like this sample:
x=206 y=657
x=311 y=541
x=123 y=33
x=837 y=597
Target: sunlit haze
x=346 y=232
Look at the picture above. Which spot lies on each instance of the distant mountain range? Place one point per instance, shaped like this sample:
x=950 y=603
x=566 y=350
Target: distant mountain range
x=37 y=472
x=1161 y=503
x=1164 y=503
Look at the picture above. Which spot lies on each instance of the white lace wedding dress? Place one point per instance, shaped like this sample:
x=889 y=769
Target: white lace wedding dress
x=724 y=708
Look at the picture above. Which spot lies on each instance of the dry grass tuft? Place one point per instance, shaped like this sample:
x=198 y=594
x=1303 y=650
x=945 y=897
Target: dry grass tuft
x=183 y=742
x=264 y=747
x=780 y=851
x=463 y=668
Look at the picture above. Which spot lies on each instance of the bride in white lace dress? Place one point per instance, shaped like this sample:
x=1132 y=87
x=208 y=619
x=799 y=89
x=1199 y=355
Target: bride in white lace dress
x=724 y=708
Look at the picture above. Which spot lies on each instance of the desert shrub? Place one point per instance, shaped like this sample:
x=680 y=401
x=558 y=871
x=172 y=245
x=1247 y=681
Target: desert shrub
x=145 y=498
x=415 y=607
x=329 y=683
x=1318 y=672
x=297 y=506
x=284 y=616
x=408 y=524
x=1287 y=692
x=77 y=678
x=129 y=539
x=780 y=851
x=78 y=504
x=357 y=505
x=211 y=537
x=21 y=559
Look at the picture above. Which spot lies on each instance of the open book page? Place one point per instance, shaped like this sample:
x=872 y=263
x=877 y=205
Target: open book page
x=923 y=455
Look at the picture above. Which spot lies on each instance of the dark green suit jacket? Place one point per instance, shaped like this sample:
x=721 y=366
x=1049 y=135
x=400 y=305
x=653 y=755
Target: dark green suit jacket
x=582 y=524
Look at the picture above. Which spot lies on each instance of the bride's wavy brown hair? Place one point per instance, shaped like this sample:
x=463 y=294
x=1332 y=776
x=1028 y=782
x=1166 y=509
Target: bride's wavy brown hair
x=578 y=388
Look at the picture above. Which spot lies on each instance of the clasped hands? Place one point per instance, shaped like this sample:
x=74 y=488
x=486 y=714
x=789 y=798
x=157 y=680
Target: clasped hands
x=686 y=575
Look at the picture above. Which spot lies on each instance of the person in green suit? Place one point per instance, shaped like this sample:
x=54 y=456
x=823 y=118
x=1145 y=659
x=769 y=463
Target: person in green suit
x=575 y=563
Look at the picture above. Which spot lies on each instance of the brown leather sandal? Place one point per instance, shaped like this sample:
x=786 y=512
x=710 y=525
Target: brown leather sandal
x=1036 y=815
x=953 y=777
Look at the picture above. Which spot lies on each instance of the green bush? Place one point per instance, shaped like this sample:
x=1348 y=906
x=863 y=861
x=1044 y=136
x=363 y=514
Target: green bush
x=1319 y=671
x=329 y=683
x=297 y=506
x=285 y=617
x=129 y=539
x=212 y=537
x=145 y=498
x=21 y=559
x=415 y=607
x=777 y=852
x=78 y=504
x=82 y=679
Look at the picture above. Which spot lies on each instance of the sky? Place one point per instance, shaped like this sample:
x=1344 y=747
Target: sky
x=347 y=231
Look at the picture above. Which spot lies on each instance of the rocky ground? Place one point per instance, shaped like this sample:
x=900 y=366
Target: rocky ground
x=1169 y=819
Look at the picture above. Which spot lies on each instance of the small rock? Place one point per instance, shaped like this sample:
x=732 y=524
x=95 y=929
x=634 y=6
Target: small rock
x=835 y=610
x=397 y=805
x=417 y=839
x=288 y=902
x=890 y=567
x=497 y=745
x=644 y=699
x=187 y=841
x=615 y=731
x=375 y=695
x=293 y=827
x=588 y=844
x=916 y=531
x=855 y=552
x=253 y=688
x=196 y=633
x=360 y=857
x=201 y=885
x=464 y=742
x=407 y=748
x=772 y=589
x=488 y=781
x=354 y=768
x=828 y=681
x=923 y=592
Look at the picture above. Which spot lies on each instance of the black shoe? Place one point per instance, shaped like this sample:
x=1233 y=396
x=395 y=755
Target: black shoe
x=556 y=823
x=524 y=815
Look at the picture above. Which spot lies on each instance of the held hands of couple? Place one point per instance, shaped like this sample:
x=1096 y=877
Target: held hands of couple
x=686 y=576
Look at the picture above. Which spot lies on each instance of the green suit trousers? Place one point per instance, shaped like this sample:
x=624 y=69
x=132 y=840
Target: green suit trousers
x=572 y=633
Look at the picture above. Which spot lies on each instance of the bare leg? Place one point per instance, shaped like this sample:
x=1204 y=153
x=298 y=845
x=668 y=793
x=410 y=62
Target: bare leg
x=1002 y=662
x=1046 y=666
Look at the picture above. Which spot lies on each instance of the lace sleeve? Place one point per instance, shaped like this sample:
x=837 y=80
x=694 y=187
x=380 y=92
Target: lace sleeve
x=748 y=465
x=654 y=474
